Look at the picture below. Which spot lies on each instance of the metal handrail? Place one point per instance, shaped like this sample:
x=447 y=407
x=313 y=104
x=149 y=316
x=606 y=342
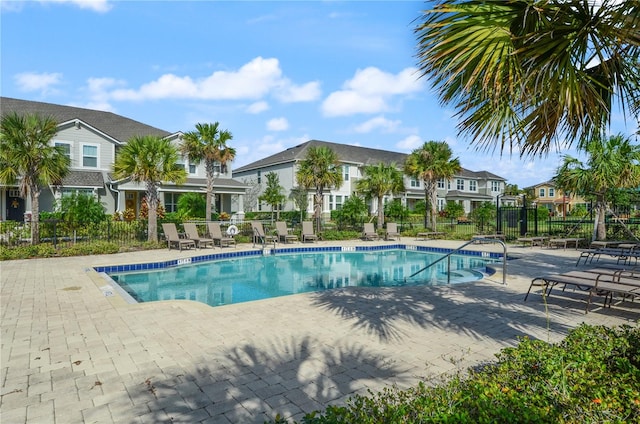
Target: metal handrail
x=458 y=249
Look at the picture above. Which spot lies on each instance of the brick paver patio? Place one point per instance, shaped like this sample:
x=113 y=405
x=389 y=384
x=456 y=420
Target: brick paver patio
x=70 y=354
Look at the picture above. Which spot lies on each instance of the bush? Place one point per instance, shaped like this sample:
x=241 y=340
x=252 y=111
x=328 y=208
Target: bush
x=593 y=375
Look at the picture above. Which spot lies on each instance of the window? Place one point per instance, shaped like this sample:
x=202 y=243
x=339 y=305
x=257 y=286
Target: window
x=192 y=168
x=259 y=177
x=459 y=184
x=552 y=192
x=171 y=202
x=541 y=193
x=66 y=147
x=473 y=185
x=66 y=192
x=414 y=183
x=338 y=202
x=90 y=156
x=441 y=204
x=441 y=183
x=217 y=168
x=449 y=185
x=495 y=185
x=345 y=170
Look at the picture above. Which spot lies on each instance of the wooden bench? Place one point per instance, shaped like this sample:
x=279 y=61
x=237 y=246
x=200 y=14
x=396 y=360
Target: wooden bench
x=565 y=242
x=429 y=235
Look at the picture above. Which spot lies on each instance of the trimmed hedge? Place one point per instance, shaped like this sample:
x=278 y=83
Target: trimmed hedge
x=593 y=375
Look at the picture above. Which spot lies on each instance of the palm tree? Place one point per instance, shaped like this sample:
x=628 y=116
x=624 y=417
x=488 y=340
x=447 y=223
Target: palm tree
x=528 y=73
x=28 y=158
x=378 y=181
x=209 y=144
x=319 y=169
x=430 y=163
x=273 y=194
x=149 y=160
x=614 y=162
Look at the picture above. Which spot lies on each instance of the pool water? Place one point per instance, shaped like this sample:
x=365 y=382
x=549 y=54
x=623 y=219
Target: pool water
x=239 y=280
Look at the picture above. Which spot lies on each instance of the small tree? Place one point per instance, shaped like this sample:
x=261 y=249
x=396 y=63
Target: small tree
x=484 y=214
x=192 y=205
x=251 y=194
x=273 y=194
x=353 y=212
x=300 y=198
x=82 y=208
x=453 y=210
x=395 y=210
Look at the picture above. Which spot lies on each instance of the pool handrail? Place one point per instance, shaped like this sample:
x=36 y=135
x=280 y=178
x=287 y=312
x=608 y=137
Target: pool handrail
x=458 y=249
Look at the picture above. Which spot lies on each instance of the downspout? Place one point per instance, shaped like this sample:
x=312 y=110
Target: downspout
x=116 y=191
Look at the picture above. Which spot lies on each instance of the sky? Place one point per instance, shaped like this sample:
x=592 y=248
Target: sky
x=274 y=73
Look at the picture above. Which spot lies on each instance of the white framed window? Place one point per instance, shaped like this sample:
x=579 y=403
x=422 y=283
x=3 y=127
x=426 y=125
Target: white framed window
x=541 y=192
x=339 y=200
x=192 y=168
x=259 y=178
x=414 y=183
x=552 y=192
x=89 y=156
x=495 y=185
x=171 y=202
x=473 y=185
x=66 y=192
x=460 y=184
x=441 y=183
x=441 y=204
x=66 y=147
x=345 y=170
x=449 y=185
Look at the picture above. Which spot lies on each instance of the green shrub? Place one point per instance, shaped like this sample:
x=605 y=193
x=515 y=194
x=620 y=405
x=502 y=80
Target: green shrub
x=593 y=375
x=340 y=235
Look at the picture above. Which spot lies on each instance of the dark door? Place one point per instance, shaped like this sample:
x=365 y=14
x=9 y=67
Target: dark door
x=15 y=206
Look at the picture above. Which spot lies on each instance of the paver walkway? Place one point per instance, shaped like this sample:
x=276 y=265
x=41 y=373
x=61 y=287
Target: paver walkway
x=70 y=354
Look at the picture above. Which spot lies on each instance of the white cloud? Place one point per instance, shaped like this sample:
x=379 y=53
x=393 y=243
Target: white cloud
x=379 y=122
x=32 y=81
x=291 y=93
x=410 y=143
x=369 y=91
x=258 y=107
x=278 y=124
x=254 y=80
x=248 y=151
x=95 y=5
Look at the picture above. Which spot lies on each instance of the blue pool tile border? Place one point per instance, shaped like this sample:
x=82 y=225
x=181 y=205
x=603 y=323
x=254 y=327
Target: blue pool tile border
x=111 y=269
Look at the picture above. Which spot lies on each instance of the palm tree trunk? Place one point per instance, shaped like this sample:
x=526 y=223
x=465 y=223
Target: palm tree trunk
x=426 y=204
x=433 y=203
x=601 y=228
x=35 y=214
x=209 y=165
x=152 y=203
x=317 y=208
x=380 y=212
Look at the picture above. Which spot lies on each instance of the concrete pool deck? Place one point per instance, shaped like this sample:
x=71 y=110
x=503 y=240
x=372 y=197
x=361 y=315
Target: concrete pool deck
x=70 y=354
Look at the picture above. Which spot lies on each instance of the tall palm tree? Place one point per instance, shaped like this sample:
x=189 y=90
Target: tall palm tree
x=430 y=163
x=149 y=160
x=209 y=144
x=378 y=181
x=318 y=170
x=28 y=159
x=613 y=162
x=528 y=73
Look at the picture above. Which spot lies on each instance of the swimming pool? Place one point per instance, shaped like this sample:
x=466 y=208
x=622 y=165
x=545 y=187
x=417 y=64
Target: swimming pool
x=239 y=279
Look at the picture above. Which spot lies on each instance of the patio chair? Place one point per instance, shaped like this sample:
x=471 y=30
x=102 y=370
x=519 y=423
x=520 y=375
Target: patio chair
x=192 y=232
x=392 y=231
x=307 y=232
x=283 y=233
x=173 y=239
x=216 y=234
x=259 y=236
x=369 y=232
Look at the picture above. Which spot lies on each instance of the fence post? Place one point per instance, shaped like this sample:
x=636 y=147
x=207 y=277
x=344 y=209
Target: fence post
x=55 y=235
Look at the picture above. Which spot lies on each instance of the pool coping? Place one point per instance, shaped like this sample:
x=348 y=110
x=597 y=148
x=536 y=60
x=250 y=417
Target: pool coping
x=108 y=269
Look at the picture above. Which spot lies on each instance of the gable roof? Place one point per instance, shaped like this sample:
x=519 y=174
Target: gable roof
x=349 y=154
x=111 y=124
x=346 y=153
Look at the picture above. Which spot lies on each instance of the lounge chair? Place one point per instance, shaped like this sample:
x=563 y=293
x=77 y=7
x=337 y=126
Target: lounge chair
x=369 y=232
x=283 y=233
x=624 y=283
x=216 y=235
x=307 y=232
x=392 y=231
x=259 y=236
x=192 y=233
x=173 y=239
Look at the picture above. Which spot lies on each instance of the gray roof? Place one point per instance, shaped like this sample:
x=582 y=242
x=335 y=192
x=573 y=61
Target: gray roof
x=115 y=126
x=83 y=179
x=348 y=153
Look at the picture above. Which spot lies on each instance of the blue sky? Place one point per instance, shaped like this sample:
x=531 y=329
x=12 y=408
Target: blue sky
x=275 y=74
